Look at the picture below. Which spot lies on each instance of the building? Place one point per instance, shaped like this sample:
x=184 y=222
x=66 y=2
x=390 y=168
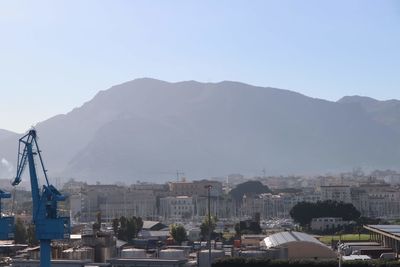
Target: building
x=179 y=207
x=147 y=262
x=196 y=188
x=376 y=200
x=339 y=193
x=388 y=236
x=129 y=202
x=114 y=201
x=296 y=245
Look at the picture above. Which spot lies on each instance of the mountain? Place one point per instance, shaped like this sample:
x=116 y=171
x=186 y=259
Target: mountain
x=4 y=134
x=6 y=166
x=384 y=112
x=146 y=129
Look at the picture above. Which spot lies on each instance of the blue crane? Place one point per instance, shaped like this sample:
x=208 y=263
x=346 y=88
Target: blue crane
x=48 y=224
x=6 y=222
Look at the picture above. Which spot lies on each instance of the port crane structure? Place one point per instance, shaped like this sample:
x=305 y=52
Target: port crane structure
x=48 y=224
x=6 y=222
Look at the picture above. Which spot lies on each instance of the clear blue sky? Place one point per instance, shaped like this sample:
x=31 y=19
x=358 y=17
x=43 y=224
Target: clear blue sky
x=55 y=55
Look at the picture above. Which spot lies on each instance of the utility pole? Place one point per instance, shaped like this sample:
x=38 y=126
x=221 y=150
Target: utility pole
x=209 y=224
x=339 y=252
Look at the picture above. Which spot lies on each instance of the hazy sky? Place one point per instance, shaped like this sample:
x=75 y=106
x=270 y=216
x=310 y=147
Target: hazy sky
x=55 y=55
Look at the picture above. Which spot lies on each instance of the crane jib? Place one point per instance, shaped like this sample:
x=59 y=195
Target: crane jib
x=48 y=224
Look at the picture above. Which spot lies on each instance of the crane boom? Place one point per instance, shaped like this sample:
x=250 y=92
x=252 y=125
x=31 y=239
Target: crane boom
x=48 y=225
x=6 y=222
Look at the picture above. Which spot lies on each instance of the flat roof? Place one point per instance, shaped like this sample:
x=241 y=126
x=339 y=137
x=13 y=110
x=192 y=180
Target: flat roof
x=356 y=257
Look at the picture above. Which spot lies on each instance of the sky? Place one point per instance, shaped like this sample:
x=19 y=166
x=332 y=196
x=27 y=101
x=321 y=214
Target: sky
x=56 y=55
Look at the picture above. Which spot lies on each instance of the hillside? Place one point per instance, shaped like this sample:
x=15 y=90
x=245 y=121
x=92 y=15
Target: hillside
x=4 y=134
x=146 y=129
x=384 y=112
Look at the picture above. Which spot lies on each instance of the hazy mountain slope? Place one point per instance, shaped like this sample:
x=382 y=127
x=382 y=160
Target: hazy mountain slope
x=215 y=129
x=6 y=134
x=6 y=162
x=385 y=112
x=146 y=129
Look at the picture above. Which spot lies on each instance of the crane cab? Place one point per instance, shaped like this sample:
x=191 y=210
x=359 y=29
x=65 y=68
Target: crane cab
x=54 y=228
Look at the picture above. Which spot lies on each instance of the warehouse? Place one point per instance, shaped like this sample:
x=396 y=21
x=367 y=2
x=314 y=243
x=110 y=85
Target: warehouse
x=296 y=245
x=387 y=235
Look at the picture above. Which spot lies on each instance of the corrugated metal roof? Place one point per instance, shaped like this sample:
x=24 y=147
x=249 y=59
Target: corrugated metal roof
x=390 y=228
x=282 y=238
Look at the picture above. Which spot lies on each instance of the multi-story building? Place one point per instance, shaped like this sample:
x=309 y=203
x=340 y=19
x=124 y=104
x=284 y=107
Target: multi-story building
x=116 y=201
x=360 y=200
x=129 y=202
x=195 y=188
x=340 y=193
x=179 y=207
x=383 y=200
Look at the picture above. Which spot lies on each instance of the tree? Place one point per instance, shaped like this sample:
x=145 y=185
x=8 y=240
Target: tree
x=115 y=225
x=32 y=240
x=248 y=227
x=97 y=225
x=238 y=230
x=129 y=228
x=248 y=188
x=20 y=236
x=139 y=224
x=178 y=232
x=206 y=225
x=304 y=212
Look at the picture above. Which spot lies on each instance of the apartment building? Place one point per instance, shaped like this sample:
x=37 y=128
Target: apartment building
x=339 y=193
x=179 y=207
x=195 y=188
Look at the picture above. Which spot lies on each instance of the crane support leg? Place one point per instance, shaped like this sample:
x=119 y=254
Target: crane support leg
x=45 y=253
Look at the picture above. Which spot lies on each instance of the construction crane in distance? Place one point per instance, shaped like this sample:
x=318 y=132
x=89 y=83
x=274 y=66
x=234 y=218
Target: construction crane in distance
x=48 y=224
x=6 y=222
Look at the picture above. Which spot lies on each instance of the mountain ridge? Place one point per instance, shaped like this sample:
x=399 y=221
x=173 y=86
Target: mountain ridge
x=145 y=129
x=6 y=133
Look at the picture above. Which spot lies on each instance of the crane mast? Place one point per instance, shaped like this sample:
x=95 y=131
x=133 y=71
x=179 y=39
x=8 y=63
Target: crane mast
x=48 y=224
x=6 y=222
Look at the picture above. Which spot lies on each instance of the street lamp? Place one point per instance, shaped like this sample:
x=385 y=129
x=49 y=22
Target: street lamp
x=209 y=224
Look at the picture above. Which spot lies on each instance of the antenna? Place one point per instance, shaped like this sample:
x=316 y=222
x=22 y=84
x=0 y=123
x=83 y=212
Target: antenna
x=178 y=173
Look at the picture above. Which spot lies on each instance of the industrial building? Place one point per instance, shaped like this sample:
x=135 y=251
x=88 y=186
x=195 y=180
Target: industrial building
x=387 y=235
x=296 y=245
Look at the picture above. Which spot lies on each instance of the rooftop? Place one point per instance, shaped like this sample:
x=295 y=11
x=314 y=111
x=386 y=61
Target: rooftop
x=282 y=238
x=390 y=230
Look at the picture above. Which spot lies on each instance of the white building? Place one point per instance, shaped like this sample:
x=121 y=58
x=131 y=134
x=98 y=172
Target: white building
x=296 y=245
x=179 y=207
x=339 y=193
